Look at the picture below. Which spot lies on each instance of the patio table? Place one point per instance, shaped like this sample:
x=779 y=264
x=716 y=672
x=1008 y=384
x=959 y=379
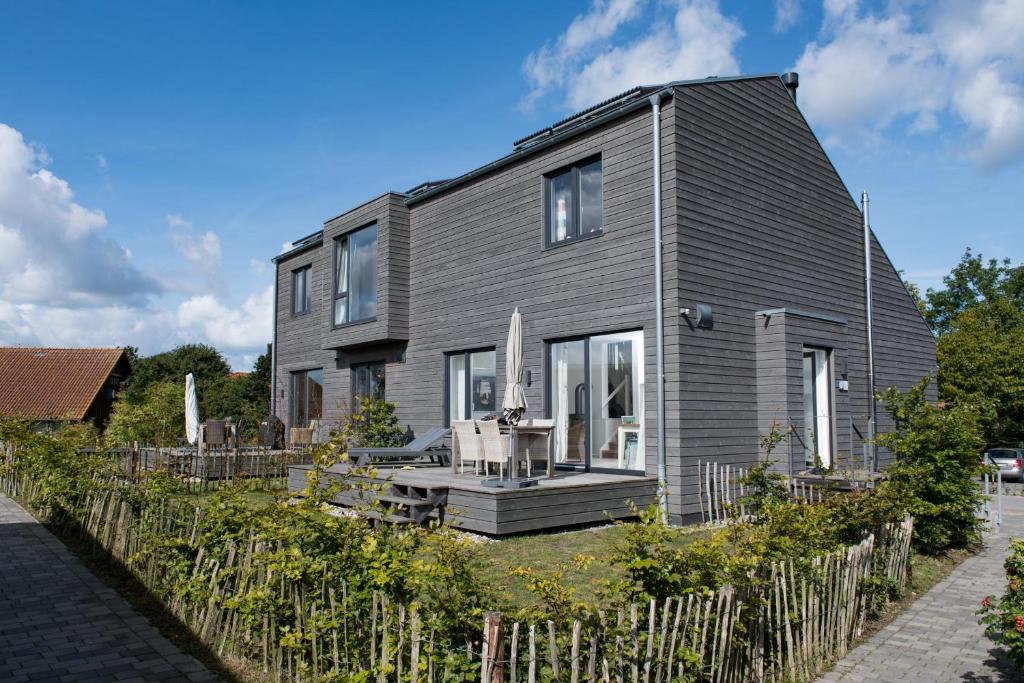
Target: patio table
x=534 y=442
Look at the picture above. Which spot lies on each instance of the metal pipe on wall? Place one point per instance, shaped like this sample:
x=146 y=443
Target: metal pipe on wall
x=273 y=348
x=872 y=408
x=659 y=303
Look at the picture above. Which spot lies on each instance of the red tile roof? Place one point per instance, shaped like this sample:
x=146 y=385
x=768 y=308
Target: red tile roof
x=58 y=384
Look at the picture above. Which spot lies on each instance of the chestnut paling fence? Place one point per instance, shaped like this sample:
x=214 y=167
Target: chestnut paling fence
x=722 y=494
x=797 y=618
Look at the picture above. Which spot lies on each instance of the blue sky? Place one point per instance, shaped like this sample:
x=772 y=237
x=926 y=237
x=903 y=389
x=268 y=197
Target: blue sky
x=174 y=147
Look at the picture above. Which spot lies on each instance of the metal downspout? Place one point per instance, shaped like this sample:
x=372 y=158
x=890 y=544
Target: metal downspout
x=273 y=348
x=868 y=305
x=659 y=304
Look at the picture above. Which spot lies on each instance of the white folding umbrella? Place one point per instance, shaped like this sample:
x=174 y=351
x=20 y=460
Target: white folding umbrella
x=191 y=410
x=514 y=403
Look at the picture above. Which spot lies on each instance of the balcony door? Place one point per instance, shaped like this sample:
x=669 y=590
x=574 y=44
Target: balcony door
x=596 y=398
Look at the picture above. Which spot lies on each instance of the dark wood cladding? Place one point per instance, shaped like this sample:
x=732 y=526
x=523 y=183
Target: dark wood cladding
x=755 y=218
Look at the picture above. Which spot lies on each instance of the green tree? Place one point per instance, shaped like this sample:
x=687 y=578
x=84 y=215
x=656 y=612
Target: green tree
x=981 y=362
x=203 y=361
x=157 y=419
x=971 y=282
x=936 y=469
x=257 y=382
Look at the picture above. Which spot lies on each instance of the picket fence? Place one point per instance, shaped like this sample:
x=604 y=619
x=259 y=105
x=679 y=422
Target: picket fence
x=799 y=617
x=722 y=495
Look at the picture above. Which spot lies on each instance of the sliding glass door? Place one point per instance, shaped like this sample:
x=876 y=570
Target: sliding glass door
x=596 y=390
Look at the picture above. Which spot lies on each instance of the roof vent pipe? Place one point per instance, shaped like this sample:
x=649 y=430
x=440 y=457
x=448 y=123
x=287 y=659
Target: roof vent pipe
x=791 y=80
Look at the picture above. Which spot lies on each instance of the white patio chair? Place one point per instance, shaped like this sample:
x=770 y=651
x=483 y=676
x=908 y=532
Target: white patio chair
x=495 y=445
x=466 y=445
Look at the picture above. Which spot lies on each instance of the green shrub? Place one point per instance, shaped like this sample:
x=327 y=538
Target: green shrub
x=937 y=464
x=1004 y=618
x=158 y=419
x=374 y=425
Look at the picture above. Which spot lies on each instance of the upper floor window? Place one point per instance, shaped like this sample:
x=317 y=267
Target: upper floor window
x=574 y=197
x=355 y=276
x=302 y=290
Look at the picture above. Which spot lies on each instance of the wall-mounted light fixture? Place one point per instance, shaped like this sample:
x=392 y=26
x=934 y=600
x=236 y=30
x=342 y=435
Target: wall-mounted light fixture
x=529 y=378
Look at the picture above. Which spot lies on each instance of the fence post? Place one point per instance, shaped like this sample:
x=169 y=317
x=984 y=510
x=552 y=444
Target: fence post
x=494 y=646
x=999 y=497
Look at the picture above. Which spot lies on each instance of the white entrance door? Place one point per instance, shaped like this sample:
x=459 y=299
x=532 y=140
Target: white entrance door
x=817 y=385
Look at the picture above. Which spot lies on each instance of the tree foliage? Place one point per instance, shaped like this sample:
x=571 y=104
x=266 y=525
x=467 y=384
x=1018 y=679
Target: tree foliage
x=141 y=409
x=205 y=363
x=981 y=362
x=156 y=419
x=978 y=318
x=971 y=282
x=937 y=464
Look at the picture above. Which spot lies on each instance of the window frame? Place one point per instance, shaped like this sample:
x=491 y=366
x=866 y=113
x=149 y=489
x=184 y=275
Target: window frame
x=467 y=389
x=307 y=272
x=356 y=367
x=345 y=240
x=574 y=186
x=548 y=405
x=292 y=377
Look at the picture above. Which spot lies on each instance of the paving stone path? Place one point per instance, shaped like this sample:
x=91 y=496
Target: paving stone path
x=938 y=639
x=60 y=623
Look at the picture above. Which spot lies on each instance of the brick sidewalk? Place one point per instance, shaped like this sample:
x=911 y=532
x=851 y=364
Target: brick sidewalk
x=938 y=639
x=60 y=623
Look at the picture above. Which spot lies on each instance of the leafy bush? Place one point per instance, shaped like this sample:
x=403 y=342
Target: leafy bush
x=1004 y=618
x=937 y=464
x=158 y=419
x=374 y=425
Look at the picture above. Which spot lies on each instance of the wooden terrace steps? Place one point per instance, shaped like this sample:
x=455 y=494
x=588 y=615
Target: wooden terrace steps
x=431 y=492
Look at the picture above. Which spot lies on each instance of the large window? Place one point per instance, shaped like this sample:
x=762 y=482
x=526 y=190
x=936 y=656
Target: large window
x=574 y=197
x=302 y=295
x=367 y=381
x=596 y=398
x=355 y=276
x=307 y=396
x=472 y=385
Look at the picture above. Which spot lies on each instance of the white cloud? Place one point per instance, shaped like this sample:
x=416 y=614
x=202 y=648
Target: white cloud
x=787 y=12
x=201 y=251
x=233 y=328
x=586 y=65
x=916 y=65
x=63 y=282
x=101 y=163
x=54 y=249
x=259 y=266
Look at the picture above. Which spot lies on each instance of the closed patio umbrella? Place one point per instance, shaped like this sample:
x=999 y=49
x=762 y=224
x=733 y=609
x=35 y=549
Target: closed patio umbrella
x=191 y=410
x=514 y=403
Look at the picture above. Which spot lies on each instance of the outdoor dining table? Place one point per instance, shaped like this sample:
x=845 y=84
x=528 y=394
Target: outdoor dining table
x=534 y=442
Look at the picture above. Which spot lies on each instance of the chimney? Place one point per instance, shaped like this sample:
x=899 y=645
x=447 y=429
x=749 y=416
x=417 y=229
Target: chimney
x=791 y=80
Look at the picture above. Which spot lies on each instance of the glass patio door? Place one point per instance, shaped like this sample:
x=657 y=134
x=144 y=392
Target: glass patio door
x=817 y=391
x=596 y=401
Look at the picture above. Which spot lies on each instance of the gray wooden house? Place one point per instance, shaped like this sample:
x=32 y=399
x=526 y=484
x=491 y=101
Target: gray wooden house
x=408 y=296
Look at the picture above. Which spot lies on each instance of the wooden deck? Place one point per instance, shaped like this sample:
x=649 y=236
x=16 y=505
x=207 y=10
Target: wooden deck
x=569 y=499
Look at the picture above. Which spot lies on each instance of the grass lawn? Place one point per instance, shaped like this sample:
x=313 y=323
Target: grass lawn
x=256 y=497
x=544 y=552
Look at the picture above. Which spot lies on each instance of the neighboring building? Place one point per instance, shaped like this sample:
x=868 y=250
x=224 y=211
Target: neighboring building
x=54 y=386
x=409 y=295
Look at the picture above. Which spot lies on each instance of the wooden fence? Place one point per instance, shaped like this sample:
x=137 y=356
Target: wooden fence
x=207 y=470
x=796 y=617
x=722 y=493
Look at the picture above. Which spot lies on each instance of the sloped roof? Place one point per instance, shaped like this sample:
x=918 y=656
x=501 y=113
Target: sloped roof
x=59 y=384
